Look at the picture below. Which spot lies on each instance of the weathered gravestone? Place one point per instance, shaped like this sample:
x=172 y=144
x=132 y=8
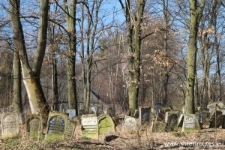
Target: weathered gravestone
x=70 y=128
x=57 y=127
x=10 y=125
x=89 y=125
x=130 y=123
x=171 y=120
x=144 y=115
x=190 y=123
x=71 y=112
x=34 y=126
x=105 y=124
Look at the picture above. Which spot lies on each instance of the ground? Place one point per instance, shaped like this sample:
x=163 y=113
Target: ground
x=121 y=139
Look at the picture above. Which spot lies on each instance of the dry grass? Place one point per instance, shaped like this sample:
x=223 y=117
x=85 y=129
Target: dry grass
x=139 y=139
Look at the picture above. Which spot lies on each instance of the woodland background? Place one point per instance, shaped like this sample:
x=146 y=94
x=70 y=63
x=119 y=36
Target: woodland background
x=101 y=56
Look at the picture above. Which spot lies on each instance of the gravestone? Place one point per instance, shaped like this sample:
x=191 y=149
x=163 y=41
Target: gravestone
x=10 y=125
x=56 y=127
x=34 y=126
x=130 y=123
x=89 y=125
x=216 y=120
x=171 y=120
x=70 y=128
x=190 y=123
x=71 y=112
x=144 y=115
x=105 y=124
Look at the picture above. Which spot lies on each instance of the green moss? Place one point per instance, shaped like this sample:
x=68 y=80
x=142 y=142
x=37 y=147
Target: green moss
x=87 y=134
x=53 y=138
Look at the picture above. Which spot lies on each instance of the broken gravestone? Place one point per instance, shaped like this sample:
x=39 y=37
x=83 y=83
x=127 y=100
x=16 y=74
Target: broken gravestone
x=71 y=112
x=34 y=127
x=105 y=124
x=144 y=115
x=217 y=119
x=190 y=123
x=57 y=127
x=89 y=124
x=10 y=125
x=171 y=120
x=130 y=123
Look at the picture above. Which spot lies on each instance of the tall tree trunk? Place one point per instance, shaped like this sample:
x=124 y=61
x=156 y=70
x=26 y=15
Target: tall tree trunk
x=195 y=17
x=133 y=27
x=17 y=98
x=71 y=55
x=31 y=77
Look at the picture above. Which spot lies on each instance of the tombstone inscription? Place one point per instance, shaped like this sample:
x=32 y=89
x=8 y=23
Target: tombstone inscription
x=10 y=125
x=56 y=126
x=34 y=126
x=190 y=123
x=89 y=125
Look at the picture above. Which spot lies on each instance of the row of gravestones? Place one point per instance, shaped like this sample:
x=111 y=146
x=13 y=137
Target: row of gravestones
x=213 y=117
x=59 y=126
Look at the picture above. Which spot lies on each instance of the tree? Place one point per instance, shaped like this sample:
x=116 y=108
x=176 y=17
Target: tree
x=134 y=39
x=31 y=76
x=71 y=54
x=196 y=11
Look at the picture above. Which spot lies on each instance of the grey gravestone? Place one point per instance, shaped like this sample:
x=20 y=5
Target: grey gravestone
x=130 y=123
x=171 y=120
x=56 y=127
x=89 y=125
x=34 y=126
x=144 y=115
x=105 y=124
x=190 y=123
x=71 y=112
x=10 y=125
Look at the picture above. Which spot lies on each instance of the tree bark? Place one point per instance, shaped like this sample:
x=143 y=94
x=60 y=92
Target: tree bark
x=71 y=55
x=31 y=78
x=195 y=17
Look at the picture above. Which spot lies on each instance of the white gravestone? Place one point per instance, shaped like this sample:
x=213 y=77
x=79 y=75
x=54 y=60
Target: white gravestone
x=10 y=126
x=130 y=123
x=89 y=126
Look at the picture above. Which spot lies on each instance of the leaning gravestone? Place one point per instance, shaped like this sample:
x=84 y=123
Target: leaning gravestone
x=144 y=115
x=34 y=126
x=130 y=123
x=171 y=120
x=89 y=125
x=190 y=123
x=56 y=127
x=105 y=124
x=10 y=125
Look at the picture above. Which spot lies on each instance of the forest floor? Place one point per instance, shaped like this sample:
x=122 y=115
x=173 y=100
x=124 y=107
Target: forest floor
x=141 y=139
